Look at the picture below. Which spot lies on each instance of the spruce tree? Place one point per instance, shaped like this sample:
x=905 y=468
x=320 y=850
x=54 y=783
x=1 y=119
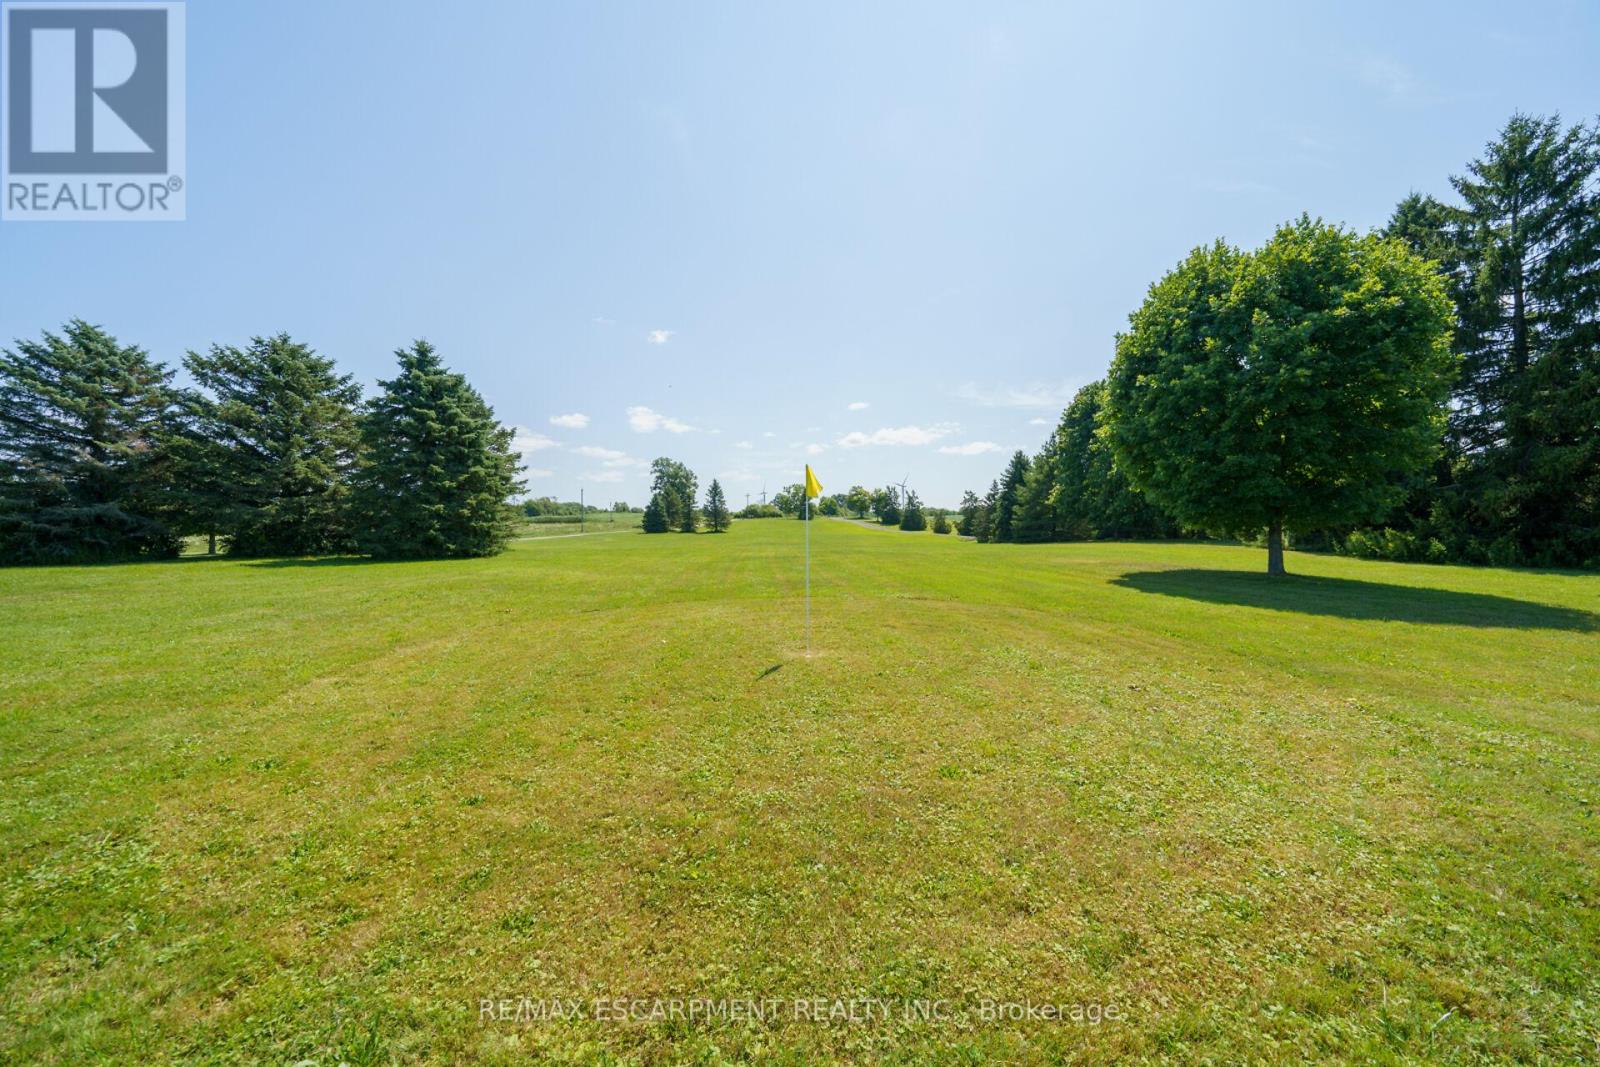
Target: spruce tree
x=1530 y=329
x=716 y=508
x=438 y=470
x=655 y=516
x=83 y=426
x=1003 y=521
x=276 y=447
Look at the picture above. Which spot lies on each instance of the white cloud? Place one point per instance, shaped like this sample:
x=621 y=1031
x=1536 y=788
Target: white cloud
x=898 y=435
x=538 y=472
x=526 y=440
x=1032 y=395
x=971 y=448
x=608 y=457
x=860 y=405
x=602 y=476
x=643 y=420
x=816 y=450
x=575 y=421
x=743 y=444
x=601 y=320
x=660 y=337
x=769 y=433
x=1038 y=422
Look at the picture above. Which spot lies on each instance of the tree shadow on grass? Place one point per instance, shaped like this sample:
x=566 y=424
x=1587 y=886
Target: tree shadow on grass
x=1348 y=598
x=326 y=561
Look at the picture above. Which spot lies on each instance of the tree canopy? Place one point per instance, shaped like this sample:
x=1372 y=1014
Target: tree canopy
x=1288 y=389
x=438 y=471
x=84 y=427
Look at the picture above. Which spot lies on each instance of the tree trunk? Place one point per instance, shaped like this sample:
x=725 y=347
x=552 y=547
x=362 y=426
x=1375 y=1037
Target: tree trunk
x=211 y=545
x=1275 y=549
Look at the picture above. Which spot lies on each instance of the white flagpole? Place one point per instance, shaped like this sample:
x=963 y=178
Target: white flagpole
x=808 y=576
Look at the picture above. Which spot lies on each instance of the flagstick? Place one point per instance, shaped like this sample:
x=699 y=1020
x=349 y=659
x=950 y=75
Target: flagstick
x=808 y=577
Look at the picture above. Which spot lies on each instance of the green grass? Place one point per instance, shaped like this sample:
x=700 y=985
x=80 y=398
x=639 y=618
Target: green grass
x=273 y=811
x=599 y=522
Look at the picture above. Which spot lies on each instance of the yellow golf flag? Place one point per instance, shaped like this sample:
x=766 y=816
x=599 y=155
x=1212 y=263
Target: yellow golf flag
x=813 y=487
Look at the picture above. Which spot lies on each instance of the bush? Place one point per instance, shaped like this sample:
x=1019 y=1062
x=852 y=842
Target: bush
x=759 y=511
x=941 y=525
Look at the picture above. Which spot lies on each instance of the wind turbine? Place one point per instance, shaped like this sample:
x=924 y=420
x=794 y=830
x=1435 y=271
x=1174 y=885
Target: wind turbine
x=763 y=492
x=902 y=484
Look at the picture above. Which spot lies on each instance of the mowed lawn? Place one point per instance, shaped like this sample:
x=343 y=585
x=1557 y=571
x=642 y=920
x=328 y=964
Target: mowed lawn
x=320 y=810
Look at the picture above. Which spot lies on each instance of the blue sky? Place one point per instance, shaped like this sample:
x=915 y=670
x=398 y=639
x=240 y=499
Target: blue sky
x=882 y=237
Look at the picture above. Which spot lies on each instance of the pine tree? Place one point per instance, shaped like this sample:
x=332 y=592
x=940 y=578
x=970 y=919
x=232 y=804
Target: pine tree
x=438 y=471
x=941 y=523
x=967 y=526
x=983 y=527
x=911 y=516
x=655 y=516
x=716 y=508
x=1003 y=526
x=276 y=446
x=83 y=426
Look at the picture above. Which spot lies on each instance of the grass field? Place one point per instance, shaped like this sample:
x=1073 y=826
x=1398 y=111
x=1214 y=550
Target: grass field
x=598 y=522
x=285 y=810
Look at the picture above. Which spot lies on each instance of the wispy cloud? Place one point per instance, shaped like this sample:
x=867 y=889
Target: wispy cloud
x=1038 y=422
x=743 y=444
x=602 y=476
x=860 y=405
x=601 y=320
x=608 y=457
x=768 y=433
x=1390 y=77
x=815 y=450
x=971 y=448
x=643 y=420
x=575 y=421
x=898 y=435
x=538 y=472
x=526 y=440
x=1032 y=395
x=660 y=337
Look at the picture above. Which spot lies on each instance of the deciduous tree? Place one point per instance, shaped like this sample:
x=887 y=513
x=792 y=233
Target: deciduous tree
x=1292 y=388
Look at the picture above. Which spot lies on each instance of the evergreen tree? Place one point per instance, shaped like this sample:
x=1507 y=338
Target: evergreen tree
x=941 y=522
x=1005 y=506
x=716 y=508
x=655 y=516
x=1520 y=480
x=967 y=525
x=438 y=471
x=276 y=447
x=983 y=527
x=911 y=516
x=1092 y=498
x=84 y=423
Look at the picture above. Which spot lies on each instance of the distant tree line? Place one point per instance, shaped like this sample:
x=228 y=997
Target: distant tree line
x=1325 y=389
x=543 y=507
x=272 y=452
